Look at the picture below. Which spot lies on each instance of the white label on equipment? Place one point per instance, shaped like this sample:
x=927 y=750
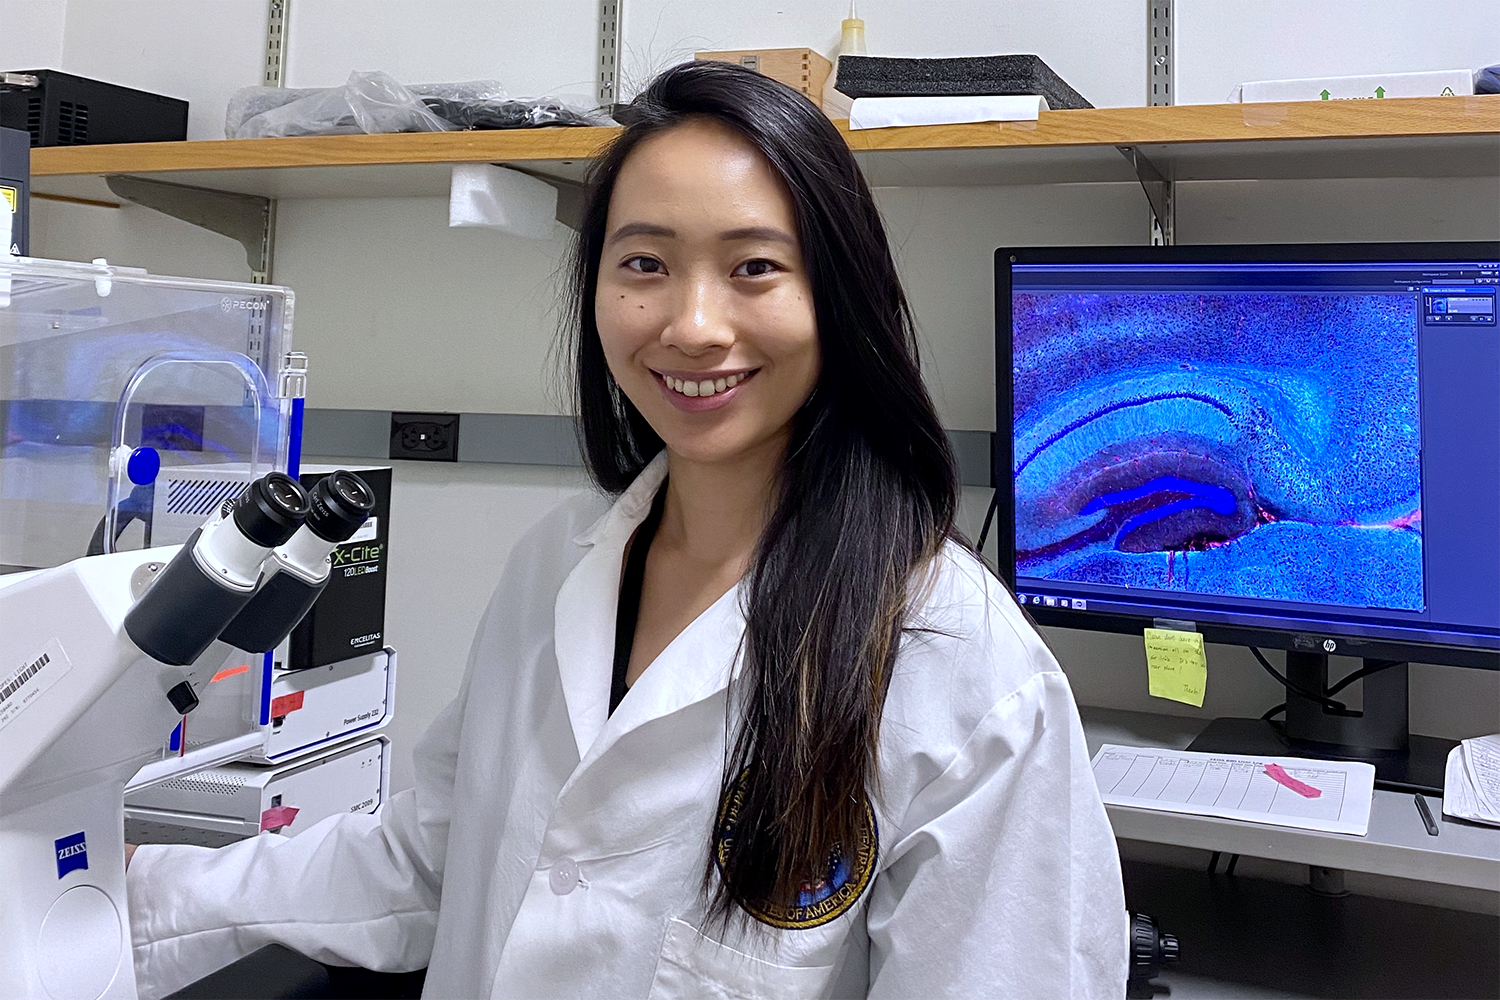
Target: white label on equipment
x=25 y=684
x=366 y=532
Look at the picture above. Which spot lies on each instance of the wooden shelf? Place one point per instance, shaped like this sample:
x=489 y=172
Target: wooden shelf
x=1419 y=137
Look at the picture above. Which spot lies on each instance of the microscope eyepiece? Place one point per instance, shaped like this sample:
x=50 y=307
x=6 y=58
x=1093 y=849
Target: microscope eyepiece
x=272 y=510
x=340 y=504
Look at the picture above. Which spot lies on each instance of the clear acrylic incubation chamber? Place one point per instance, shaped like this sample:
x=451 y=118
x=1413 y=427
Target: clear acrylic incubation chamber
x=131 y=407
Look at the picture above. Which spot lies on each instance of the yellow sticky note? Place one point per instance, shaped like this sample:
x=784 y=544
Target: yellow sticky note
x=1175 y=665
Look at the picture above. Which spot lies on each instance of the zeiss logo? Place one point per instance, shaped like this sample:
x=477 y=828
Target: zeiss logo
x=72 y=854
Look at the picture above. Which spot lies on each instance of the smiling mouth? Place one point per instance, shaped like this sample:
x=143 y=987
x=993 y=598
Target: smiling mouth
x=705 y=387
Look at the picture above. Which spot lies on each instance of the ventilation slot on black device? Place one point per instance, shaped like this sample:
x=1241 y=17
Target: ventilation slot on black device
x=34 y=119
x=72 y=123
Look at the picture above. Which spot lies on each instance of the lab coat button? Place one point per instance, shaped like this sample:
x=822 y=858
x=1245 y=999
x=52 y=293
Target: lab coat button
x=564 y=876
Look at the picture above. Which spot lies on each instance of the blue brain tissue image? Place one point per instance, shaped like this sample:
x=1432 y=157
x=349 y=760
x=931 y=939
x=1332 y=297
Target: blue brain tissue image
x=1261 y=446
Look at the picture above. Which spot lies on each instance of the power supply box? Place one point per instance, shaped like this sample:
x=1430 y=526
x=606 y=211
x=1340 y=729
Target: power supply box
x=319 y=706
x=60 y=109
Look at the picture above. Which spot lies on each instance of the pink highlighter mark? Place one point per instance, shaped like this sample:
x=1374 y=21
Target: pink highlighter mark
x=277 y=817
x=1279 y=775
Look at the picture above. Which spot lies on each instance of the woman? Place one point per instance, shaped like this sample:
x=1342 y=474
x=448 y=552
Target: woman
x=760 y=726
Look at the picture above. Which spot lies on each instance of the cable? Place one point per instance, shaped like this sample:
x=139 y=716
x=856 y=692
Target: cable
x=989 y=517
x=1326 y=702
x=1374 y=667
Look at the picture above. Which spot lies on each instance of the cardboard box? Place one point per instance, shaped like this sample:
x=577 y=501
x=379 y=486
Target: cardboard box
x=1439 y=83
x=349 y=617
x=801 y=69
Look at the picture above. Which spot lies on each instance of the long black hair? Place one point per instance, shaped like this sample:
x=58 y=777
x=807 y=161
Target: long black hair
x=866 y=497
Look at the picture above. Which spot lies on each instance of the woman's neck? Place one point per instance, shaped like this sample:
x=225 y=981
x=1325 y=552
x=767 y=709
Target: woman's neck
x=715 y=512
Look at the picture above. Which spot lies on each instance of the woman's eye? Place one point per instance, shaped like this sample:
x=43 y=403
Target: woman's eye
x=645 y=265
x=755 y=268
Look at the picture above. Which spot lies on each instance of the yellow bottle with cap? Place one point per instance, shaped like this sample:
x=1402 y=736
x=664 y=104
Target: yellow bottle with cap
x=851 y=43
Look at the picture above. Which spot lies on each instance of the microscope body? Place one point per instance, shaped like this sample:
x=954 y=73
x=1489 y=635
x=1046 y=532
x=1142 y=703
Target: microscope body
x=100 y=659
x=85 y=712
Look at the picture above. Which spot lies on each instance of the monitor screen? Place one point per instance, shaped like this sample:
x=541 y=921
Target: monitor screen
x=1298 y=446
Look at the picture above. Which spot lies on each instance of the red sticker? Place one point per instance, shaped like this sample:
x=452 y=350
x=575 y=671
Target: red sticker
x=277 y=817
x=1278 y=773
x=286 y=704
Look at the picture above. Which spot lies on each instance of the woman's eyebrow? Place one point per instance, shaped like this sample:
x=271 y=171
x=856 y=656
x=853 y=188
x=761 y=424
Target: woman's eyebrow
x=641 y=229
x=759 y=233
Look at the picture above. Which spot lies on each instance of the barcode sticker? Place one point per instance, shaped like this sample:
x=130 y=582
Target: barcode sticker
x=25 y=684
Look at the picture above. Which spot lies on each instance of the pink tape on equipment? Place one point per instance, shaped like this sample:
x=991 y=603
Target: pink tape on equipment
x=277 y=817
x=1278 y=774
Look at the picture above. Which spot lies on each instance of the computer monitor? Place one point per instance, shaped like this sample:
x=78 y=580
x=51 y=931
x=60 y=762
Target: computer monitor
x=1285 y=446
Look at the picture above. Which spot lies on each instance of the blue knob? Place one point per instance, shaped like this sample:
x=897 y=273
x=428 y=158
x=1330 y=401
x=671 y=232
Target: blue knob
x=142 y=466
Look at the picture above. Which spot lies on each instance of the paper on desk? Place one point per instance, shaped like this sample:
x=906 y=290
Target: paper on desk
x=1235 y=787
x=886 y=112
x=1471 y=782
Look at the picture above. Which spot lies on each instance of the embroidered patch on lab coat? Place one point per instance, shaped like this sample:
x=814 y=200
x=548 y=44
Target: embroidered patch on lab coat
x=820 y=901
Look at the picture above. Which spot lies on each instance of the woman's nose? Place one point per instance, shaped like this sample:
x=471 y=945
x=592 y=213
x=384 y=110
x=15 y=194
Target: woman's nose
x=700 y=322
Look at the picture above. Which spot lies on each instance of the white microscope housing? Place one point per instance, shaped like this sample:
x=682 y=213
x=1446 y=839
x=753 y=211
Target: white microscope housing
x=115 y=385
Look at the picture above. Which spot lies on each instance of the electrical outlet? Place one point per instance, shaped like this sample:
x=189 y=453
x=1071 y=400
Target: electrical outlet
x=426 y=437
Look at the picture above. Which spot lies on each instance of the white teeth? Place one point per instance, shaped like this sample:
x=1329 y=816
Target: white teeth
x=706 y=387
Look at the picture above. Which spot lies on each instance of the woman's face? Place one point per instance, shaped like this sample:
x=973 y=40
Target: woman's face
x=704 y=306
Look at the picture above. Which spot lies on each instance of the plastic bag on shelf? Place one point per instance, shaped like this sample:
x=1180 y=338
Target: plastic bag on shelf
x=369 y=103
x=374 y=102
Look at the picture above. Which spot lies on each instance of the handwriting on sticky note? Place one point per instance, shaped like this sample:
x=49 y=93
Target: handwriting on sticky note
x=1175 y=665
x=1302 y=788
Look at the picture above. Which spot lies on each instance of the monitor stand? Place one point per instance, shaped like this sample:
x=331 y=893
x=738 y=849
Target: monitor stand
x=1378 y=735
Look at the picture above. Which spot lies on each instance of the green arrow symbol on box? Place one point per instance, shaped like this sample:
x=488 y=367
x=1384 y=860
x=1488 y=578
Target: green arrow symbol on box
x=1324 y=94
x=1379 y=91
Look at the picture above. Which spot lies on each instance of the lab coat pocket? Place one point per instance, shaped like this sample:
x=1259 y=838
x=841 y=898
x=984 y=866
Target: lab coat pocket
x=695 y=967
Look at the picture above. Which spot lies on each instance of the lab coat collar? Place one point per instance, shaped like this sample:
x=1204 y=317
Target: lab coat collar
x=697 y=664
x=630 y=508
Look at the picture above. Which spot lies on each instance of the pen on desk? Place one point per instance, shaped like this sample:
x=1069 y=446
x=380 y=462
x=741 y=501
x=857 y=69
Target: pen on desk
x=1432 y=828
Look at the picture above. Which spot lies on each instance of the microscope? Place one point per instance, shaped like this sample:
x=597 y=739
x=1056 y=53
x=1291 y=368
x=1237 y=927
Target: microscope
x=98 y=659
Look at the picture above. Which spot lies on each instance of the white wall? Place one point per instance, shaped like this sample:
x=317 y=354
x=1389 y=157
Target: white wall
x=33 y=34
x=1223 y=43
x=397 y=311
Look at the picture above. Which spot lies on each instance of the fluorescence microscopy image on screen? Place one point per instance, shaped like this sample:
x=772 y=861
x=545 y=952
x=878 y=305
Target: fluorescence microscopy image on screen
x=1262 y=446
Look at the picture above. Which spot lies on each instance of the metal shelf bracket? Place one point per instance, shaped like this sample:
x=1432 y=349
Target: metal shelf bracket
x=1160 y=193
x=247 y=219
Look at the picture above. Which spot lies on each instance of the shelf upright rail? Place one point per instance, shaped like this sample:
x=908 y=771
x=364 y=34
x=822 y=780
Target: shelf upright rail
x=1160 y=189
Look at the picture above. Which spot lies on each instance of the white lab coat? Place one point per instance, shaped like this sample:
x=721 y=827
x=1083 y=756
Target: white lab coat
x=997 y=873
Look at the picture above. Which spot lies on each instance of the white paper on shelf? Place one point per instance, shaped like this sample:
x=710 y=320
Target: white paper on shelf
x=1237 y=787
x=887 y=112
x=1471 y=781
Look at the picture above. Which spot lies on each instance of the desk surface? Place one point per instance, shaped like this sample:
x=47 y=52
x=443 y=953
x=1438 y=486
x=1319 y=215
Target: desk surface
x=1398 y=844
